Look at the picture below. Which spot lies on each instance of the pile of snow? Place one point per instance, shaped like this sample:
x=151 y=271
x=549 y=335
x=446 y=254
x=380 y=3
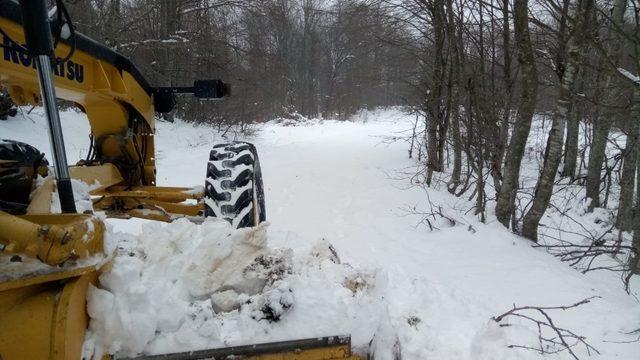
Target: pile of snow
x=294 y=118
x=381 y=114
x=182 y=286
x=81 y=196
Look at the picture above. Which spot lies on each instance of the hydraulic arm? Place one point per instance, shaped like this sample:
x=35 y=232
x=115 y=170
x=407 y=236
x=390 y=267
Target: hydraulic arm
x=119 y=104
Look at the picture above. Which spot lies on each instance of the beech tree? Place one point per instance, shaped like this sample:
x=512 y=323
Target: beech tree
x=505 y=203
x=553 y=152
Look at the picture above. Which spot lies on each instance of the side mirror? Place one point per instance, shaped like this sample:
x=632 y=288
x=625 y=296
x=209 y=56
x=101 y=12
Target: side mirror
x=210 y=89
x=164 y=98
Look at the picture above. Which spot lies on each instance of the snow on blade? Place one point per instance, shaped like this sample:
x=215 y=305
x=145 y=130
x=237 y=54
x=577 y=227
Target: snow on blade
x=81 y=196
x=182 y=286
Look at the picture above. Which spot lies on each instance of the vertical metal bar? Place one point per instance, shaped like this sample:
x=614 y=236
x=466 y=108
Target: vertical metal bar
x=48 y=91
x=37 y=32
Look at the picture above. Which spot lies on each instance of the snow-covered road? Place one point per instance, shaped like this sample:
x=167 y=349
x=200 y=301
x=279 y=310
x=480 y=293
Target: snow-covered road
x=432 y=292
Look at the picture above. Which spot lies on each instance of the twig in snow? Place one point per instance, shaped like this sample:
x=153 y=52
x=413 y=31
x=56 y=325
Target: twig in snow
x=559 y=340
x=634 y=332
x=26 y=115
x=434 y=213
x=583 y=256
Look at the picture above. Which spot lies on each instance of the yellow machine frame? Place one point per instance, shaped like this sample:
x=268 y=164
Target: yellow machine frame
x=112 y=99
x=43 y=312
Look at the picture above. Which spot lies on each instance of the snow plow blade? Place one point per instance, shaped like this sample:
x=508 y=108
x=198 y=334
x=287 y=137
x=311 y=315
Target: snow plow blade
x=326 y=348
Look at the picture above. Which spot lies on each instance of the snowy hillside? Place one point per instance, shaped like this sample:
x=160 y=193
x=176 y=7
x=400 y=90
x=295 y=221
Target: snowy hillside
x=427 y=293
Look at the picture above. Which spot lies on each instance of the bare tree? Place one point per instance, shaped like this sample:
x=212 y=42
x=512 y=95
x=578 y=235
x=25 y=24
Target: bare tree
x=573 y=133
x=553 y=152
x=602 y=124
x=630 y=154
x=505 y=206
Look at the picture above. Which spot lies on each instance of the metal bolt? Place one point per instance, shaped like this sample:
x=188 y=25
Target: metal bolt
x=66 y=238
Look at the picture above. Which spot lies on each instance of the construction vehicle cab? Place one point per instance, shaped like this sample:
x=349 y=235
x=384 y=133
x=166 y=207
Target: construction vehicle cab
x=52 y=258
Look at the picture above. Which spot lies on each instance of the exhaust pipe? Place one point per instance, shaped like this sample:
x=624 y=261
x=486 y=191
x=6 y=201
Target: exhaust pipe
x=40 y=44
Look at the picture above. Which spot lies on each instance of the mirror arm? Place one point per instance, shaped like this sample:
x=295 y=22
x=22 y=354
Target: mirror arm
x=173 y=90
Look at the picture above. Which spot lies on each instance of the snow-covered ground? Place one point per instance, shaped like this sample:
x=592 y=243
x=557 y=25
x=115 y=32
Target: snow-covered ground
x=429 y=293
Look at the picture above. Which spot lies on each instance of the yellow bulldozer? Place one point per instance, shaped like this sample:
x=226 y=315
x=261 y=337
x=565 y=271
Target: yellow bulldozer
x=48 y=260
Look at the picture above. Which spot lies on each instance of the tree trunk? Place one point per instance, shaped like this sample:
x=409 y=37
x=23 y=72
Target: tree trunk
x=571 y=144
x=169 y=21
x=113 y=25
x=602 y=125
x=630 y=157
x=630 y=154
x=506 y=114
x=505 y=205
x=573 y=135
x=544 y=187
x=455 y=101
x=634 y=257
x=457 y=150
x=434 y=96
x=553 y=152
x=432 y=145
x=596 y=157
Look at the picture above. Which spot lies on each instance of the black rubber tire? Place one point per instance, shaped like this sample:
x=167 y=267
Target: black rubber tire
x=233 y=188
x=17 y=177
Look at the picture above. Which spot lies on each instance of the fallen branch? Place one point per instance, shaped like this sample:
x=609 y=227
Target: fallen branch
x=635 y=332
x=551 y=338
x=583 y=256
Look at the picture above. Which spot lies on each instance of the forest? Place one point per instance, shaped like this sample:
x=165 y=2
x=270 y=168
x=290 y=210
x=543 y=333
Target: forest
x=476 y=74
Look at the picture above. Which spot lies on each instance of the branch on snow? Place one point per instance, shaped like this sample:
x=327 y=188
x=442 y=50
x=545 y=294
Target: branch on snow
x=584 y=256
x=552 y=339
x=635 y=333
x=435 y=216
x=430 y=218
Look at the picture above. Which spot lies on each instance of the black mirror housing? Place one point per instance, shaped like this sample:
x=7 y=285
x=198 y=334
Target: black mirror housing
x=210 y=89
x=164 y=98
